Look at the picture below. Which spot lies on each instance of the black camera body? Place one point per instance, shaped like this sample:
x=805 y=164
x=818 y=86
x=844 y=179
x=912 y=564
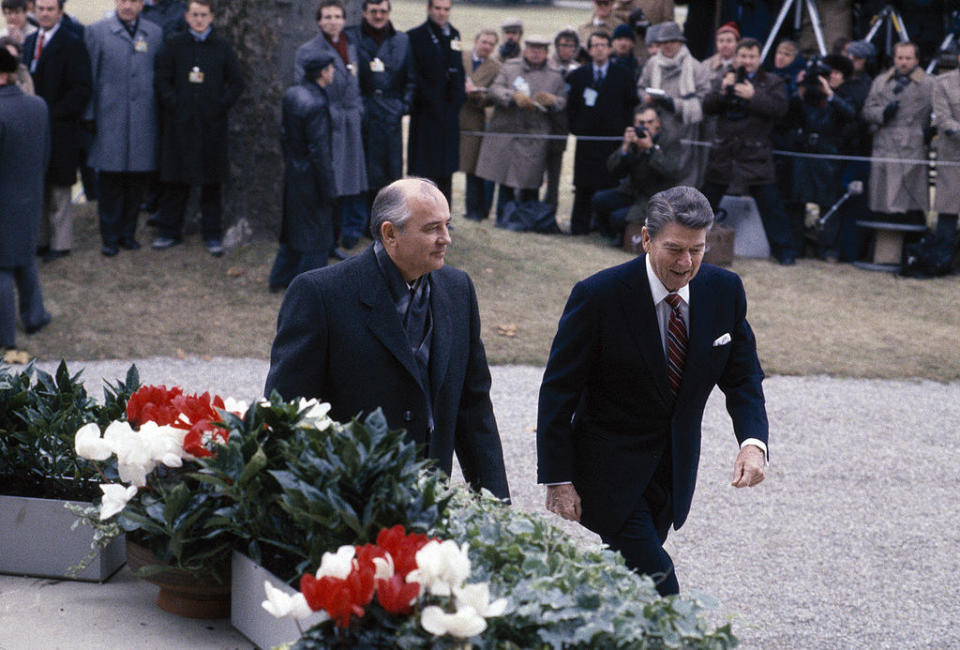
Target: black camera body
x=640 y=131
x=736 y=106
x=815 y=69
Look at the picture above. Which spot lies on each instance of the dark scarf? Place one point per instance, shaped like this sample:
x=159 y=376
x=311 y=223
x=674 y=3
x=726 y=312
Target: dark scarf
x=378 y=35
x=416 y=318
x=340 y=46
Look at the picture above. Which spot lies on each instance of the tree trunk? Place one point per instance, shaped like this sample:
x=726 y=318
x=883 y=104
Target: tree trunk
x=266 y=35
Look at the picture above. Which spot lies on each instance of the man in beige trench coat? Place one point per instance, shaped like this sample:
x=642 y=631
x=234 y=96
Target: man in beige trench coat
x=946 y=117
x=528 y=94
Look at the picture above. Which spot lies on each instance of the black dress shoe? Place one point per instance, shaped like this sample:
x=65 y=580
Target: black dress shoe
x=33 y=329
x=52 y=255
x=109 y=250
x=129 y=243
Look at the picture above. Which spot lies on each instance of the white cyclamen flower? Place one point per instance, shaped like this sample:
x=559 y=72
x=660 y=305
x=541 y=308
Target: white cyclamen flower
x=88 y=443
x=337 y=565
x=478 y=597
x=316 y=412
x=133 y=458
x=464 y=624
x=282 y=605
x=115 y=498
x=441 y=566
x=235 y=406
x=383 y=567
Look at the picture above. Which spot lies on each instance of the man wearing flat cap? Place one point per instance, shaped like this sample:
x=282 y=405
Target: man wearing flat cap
x=527 y=96
x=675 y=83
x=306 y=234
x=512 y=32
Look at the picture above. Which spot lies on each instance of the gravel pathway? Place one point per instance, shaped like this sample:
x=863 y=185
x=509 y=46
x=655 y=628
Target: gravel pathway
x=851 y=542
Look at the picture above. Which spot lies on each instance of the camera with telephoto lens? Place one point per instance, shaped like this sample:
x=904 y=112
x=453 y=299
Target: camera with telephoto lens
x=640 y=131
x=736 y=106
x=815 y=69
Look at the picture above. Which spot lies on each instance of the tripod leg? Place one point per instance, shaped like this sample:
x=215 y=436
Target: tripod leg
x=901 y=28
x=944 y=46
x=815 y=24
x=784 y=9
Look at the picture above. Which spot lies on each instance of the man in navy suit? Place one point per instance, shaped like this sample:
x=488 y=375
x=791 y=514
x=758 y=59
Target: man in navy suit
x=639 y=348
x=394 y=328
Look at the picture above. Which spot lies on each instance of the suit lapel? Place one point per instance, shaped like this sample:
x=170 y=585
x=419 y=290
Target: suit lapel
x=382 y=319
x=440 y=307
x=642 y=317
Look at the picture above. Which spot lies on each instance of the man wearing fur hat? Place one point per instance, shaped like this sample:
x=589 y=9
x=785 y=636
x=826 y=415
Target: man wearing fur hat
x=675 y=83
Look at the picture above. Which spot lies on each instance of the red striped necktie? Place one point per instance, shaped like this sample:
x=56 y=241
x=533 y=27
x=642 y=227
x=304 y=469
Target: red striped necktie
x=676 y=343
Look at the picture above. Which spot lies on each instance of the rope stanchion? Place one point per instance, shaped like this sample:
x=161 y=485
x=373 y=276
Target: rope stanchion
x=698 y=143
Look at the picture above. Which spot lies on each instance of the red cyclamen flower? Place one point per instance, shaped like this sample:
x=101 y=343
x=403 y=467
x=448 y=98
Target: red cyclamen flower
x=153 y=404
x=402 y=548
x=396 y=595
x=340 y=598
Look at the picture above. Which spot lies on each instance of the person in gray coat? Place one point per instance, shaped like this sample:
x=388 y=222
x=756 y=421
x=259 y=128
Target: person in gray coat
x=24 y=152
x=346 y=116
x=122 y=51
x=387 y=83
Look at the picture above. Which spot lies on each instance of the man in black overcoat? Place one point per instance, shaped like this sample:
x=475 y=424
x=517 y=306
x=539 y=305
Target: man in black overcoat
x=198 y=78
x=638 y=350
x=24 y=149
x=62 y=77
x=394 y=328
x=600 y=102
x=433 y=146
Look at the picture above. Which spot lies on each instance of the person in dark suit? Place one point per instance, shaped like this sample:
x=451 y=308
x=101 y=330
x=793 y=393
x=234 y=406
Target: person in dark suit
x=394 y=328
x=57 y=58
x=600 y=102
x=433 y=145
x=24 y=148
x=639 y=348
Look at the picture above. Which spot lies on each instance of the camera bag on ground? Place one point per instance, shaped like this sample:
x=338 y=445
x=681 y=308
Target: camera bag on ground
x=529 y=216
x=929 y=257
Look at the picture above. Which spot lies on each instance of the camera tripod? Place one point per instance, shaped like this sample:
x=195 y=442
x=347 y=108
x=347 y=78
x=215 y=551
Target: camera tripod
x=891 y=20
x=797 y=6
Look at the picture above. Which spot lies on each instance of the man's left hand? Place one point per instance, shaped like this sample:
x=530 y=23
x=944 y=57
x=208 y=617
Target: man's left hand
x=743 y=90
x=748 y=468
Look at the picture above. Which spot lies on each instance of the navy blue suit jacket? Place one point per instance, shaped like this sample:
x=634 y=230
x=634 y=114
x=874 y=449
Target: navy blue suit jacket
x=340 y=340
x=606 y=411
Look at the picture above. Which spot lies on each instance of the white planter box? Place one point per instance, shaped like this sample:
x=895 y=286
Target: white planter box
x=246 y=613
x=36 y=540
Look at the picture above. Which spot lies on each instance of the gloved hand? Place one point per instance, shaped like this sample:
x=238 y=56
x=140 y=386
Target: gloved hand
x=545 y=99
x=522 y=100
x=890 y=110
x=667 y=102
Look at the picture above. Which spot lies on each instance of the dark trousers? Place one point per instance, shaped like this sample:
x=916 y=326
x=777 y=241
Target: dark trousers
x=479 y=197
x=611 y=207
x=26 y=281
x=582 y=213
x=352 y=216
x=783 y=244
x=290 y=263
x=641 y=538
x=173 y=204
x=119 y=204
x=445 y=185
x=88 y=175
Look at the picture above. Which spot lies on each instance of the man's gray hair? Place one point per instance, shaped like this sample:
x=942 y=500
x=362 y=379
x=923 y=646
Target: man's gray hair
x=682 y=205
x=391 y=205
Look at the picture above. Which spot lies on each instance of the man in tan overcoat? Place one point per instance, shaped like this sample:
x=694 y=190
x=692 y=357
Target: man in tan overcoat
x=527 y=96
x=481 y=67
x=899 y=106
x=602 y=20
x=946 y=117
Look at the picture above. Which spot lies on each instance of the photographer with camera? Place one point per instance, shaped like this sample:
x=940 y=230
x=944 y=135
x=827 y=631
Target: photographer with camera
x=823 y=113
x=899 y=106
x=649 y=160
x=748 y=101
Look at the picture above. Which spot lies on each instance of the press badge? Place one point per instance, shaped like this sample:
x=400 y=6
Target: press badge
x=589 y=97
x=352 y=69
x=521 y=86
x=196 y=75
x=140 y=45
x=376 y=65
x=455 y=44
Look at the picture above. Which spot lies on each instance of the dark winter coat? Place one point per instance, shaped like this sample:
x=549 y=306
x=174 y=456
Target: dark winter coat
x=433 y=146
x=387 y=83
x=194 y=115
x=62 y=78
x=24 y=150
x=168 y=15
x=742 y=152
x=346 y=115
x=822 y=127
x=308 y=184
x=609 y=116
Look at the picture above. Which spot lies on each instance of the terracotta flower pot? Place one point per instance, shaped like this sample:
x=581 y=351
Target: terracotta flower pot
x=182 y=593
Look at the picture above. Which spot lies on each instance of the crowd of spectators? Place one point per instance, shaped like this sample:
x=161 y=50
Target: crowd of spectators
x=138 y=103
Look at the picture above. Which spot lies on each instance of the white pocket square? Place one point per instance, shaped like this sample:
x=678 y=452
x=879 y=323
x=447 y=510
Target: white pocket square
x=723 y=340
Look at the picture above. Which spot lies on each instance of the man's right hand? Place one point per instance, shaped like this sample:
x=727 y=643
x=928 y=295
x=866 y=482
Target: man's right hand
x=523 y=101
x=564 y=501
x=629 y=138
x=729 y=79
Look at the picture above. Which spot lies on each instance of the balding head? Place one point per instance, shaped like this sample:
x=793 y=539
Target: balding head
x=393 y=202
x=411 y=220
